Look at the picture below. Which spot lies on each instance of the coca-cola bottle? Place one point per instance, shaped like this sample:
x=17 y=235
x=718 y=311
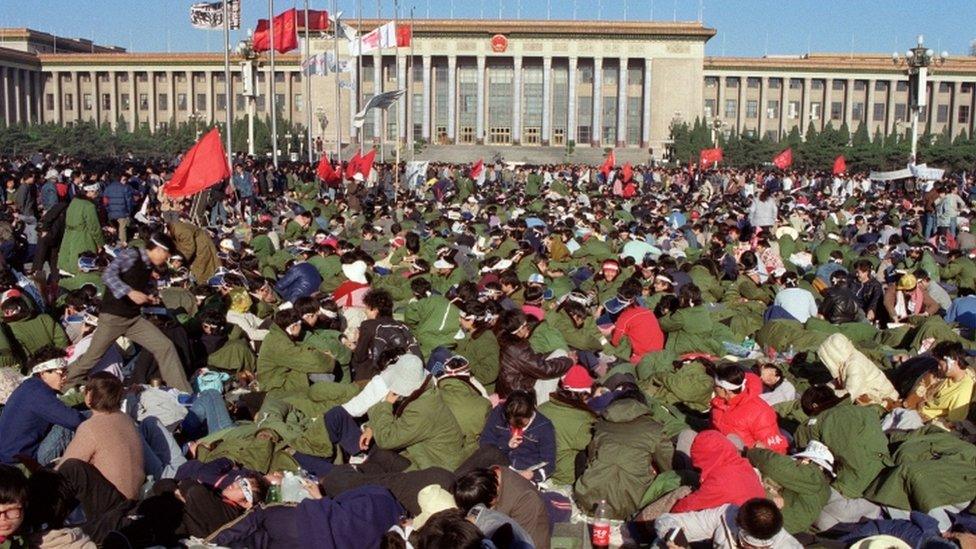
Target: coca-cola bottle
x=600 y=535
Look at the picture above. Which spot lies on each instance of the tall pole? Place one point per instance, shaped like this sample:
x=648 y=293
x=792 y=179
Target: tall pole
x=396 y=57
x=379 y=15
x=308 y=89
x=271 y=86
x=359 y=60
x=410 y=86
x=229 y=103
x=338 y=89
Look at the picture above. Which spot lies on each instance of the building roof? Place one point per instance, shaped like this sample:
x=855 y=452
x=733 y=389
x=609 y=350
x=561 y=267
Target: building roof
x=62 y=44
x=488 y=27
x=17 y=56
x=834 y=62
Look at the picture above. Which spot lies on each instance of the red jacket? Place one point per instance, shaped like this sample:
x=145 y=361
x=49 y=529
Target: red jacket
x=640 y=326
x=749 y=417
x=726 y=477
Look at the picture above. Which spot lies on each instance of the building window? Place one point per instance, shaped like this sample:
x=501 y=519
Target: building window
x=711 y=81
x=836 y=110
x=162 y=126
x=143 y=102
x=558 y=136
x=499 y=135
x=181 y=101
x=221 y=99
x=610 y=73
x=857 y=113
x=124 y=101
x=533 y=101
x=86 y=101
x=860 y=85
x=466 y=135
x=880 y=86
x=793 y=111
x=709 y=108
x=634 y=111
x=560 y=99
x=963 y=114
x=731 y=108
x=584 y=114
x=944 y=87
x=467 y=106
x=261 y=104
x=901 y=85
x=531 y=135
x=901 y=112
x=731 y=82
x=69 y=103
x=796 y=84
x=239 y=101
x=923 y=114
x=280 y=101
x=775 y=83
x=609 y=121
x=583 y=134
x=440 y=98
x=839 y=85
x=752 y=108
x=200 y=104
x=106 y=101
x=162 y=101
x=49 y=101
x=817 y=84
x=279 y=76
x=752 y=82
x=879 y=112
x=966 y=87
x=586 y=73
x=815 y=111
x=299 y=102
x=942 y=114
x=440 y=134
x=772 y=109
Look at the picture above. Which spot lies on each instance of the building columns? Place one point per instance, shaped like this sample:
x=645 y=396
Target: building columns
x=571 y=121
x=402 y=106
x=452 y=99
x=890 y=111
x=5 y=80
x=171 y=104
x=827 y=110
x=114 y=86
x=152 y=101
x=425 y=99
x=868 y=115
x=546 y=100
x=805 y=113
x=96 y=98
x=17 y=96
x=849 y=108
x=784 y=102
x=761 y=111
x=56 y=81
x=480 y=118
x=740 y=121
x=596 y=132
x=29 y=97
x=953 y=109
x=212 y=101
x=354 y=95
x=517 y=101
x=622 y=103
x=133 y=102
x=646 y=104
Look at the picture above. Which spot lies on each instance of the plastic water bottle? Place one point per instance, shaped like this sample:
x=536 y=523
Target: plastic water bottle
x=600 y=536
x=292 y=489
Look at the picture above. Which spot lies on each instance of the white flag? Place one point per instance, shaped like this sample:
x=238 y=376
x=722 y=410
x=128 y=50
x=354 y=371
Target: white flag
x=381 y=101
x=315 y=65
x=210 y=16
x=416 y=173
x=381 y=37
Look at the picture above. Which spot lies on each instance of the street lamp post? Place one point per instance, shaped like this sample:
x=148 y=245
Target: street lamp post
x=917 y=62
x=246 y=50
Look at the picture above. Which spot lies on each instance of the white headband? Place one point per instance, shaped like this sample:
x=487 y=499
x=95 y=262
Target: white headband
x=48 y=365
x=327 y=313
x=159 y=244
x=730 y=386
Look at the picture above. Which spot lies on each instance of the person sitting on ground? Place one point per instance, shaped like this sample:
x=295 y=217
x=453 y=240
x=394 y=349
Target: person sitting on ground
x=855 y=373
x=523 y=435
x=505 y=491
x=738 y=410
x=756 y=523
x=776 y=388
x=947 y=393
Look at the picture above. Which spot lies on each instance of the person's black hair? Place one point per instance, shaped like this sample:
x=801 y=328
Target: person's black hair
x=668 y=304
x=50 y=500
x=730 y=373
x=630 y=289
x=448 y=528
x=520 y=405
x=760 y=518
x=286 y=318
x=863 y=265
x=158 y=239
x=105 y=391
x=412 y=242
x=420 y=287
x=789 y=279
x=45 y=353
x=511 y=321
x=921 y=274
x=213 y=317
x=748 y=260
x=509 y=278
x=533 y=293
x=838 y=278
x=381 y=300
x=817 y=399
x=690 y=295
x=307 y=305
x=13 y=486
x=474 y=487
x=950 y=349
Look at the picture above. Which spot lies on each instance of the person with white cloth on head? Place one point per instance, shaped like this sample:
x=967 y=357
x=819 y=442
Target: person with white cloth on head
x=758 y=523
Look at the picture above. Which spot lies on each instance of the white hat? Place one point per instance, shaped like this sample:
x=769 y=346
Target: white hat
x=355 y=271
x=443 y=264
x=51 y=174
x=881 y=541
x=432 y=500
x=48 y=365
x=536 y=278
x=405 y=376
x=358 y=177
x=794 y=234
x=90 y=188
x=818 y=453
x=228 y=244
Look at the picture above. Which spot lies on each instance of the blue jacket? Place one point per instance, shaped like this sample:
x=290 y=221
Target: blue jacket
x=302 y=280
x=118 y=200
x=30 y=412
x=244 y=184
x=49 y=195
x=538 y=442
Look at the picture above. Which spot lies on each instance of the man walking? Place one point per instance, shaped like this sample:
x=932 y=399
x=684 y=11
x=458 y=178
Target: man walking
x=128 y=286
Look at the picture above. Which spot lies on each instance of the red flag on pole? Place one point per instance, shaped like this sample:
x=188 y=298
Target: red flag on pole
x=318 y=20
x=203 y=166
x=627 y=172
x=404 y=33
x=351 y=166
x=708 y=158
x=325 y=171
x=608 y=164
x=285 y=33
x=784 y=159
x=365 y=164
x=840 y=165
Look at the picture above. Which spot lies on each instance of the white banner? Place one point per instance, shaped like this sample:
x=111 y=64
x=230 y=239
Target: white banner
x=210 y=16
x=416 y=173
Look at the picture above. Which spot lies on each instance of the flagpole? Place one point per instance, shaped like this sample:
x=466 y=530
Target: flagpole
x=271 y=86
x=338 y=89
x=410 y=85
x=359 y=61
x=382 y=128
x=229 y=104
x=308 y=89
x=396 y=58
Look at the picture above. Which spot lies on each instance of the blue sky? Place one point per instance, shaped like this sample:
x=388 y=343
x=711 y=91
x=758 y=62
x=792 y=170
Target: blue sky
x=745 y=27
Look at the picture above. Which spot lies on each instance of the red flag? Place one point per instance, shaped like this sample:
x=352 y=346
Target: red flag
x=365 y=164
x=709 y=157
x=608 y=164
x=404 y=33
x=840 y=165
x=325 y=171
x=318 y=20
x=203 y=166
x=627 y=171
x=351 y=166
x=784 y=159
x=477 y=169
x=285 y=33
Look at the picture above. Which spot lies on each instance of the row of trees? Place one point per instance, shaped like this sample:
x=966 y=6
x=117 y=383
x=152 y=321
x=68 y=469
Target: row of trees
x=90 y=140
x=817 y=149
